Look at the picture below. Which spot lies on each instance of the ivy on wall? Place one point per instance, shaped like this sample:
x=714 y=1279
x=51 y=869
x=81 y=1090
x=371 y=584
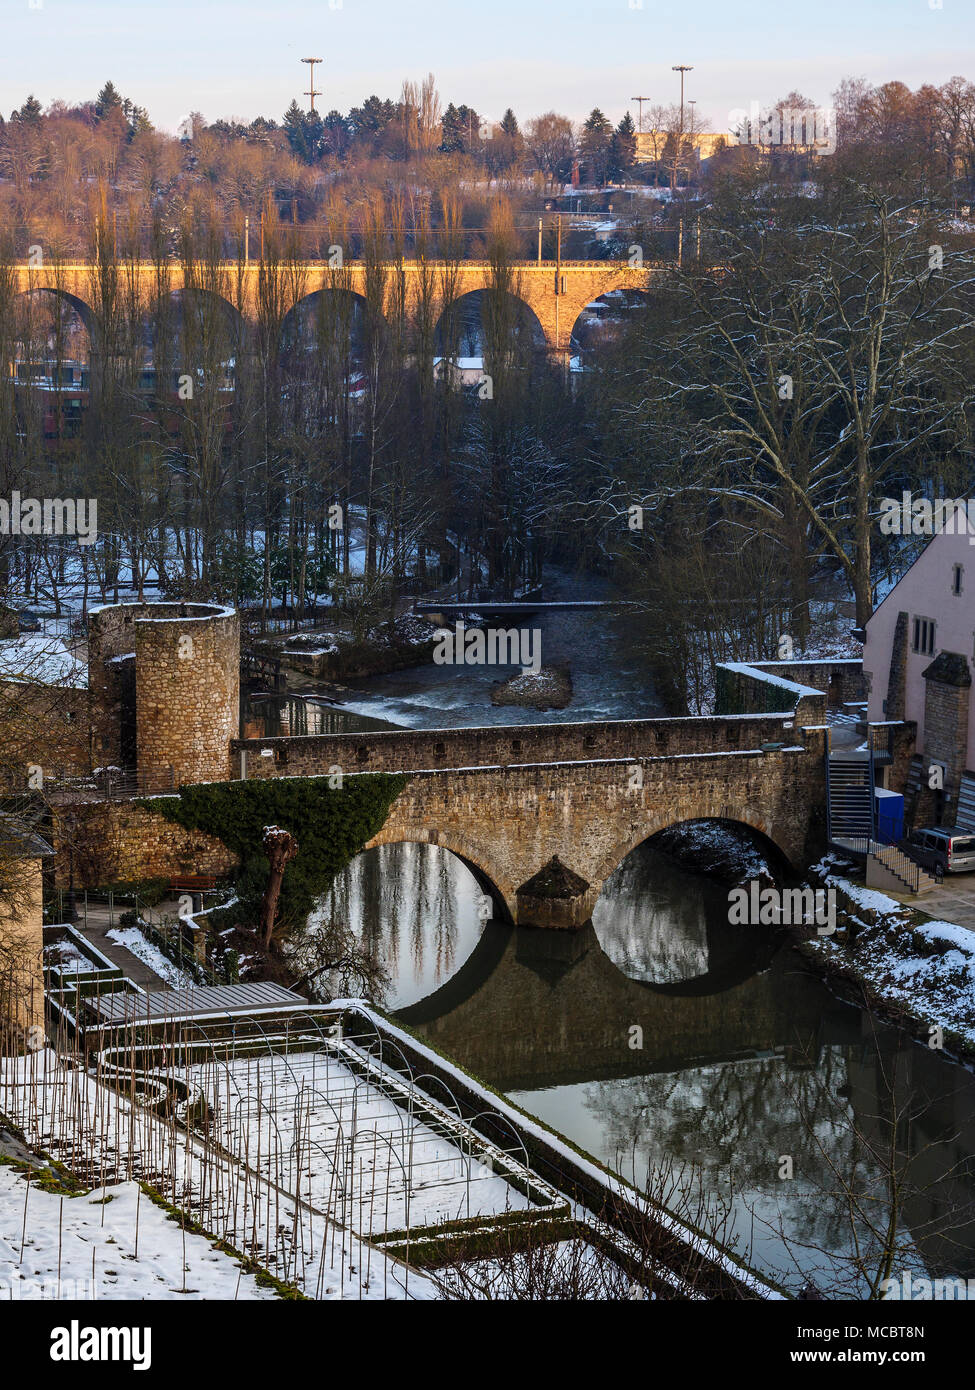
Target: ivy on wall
x=331 y=824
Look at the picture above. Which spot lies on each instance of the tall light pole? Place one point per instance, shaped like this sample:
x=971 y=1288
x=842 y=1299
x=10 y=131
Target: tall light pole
x=311 y=81
x=641 y=100
x=681 y=68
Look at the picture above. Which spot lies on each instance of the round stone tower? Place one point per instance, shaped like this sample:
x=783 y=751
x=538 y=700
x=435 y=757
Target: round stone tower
x=186 y=705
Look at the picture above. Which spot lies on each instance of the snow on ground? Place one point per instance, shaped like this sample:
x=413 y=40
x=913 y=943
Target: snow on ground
x=100 y=1254
x=320 y=1129
x=65 y=956
x=133 y=940
x=34 y=657
x=91 y=1127
x=924 y=965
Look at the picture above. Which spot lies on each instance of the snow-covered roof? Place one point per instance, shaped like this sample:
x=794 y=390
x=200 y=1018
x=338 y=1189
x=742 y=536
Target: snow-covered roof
x=42 y=660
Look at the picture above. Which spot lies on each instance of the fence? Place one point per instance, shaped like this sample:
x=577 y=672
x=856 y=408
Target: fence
x=110 y=783
x=176 y=938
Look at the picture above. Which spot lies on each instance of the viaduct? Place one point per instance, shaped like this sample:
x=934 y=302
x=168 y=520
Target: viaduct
x=555 y=292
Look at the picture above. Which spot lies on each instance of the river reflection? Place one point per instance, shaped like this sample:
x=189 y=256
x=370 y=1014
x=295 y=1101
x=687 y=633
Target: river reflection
x=658 y=1037
x=298 y=713
x=416 y=908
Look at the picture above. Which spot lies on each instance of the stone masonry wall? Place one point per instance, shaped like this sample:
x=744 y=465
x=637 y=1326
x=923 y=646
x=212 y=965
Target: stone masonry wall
x=509 y=823
x=841 y=679
x=946 y=730
x=187 y=674
x=506 y=745
x=187 y=688
x=120 y=842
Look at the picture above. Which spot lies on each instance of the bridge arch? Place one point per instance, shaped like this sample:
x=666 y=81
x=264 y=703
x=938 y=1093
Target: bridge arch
x=53 y=348
x=193 y=329
x=599 y=322
x=84 y=311
x=766 y=834
x=330 y=311
x=466 y=328
x=190 y=302
x=57 y=300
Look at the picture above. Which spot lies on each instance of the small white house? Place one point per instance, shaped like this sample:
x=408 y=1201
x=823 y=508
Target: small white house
x=920 y=643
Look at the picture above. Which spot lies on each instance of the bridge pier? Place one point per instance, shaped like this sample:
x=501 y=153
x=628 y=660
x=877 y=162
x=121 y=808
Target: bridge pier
x=555 y=897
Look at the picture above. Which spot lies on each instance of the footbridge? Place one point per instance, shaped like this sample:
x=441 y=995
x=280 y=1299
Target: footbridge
x=543 y=814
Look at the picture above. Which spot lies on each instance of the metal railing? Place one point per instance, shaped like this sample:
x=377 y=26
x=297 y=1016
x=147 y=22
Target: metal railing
x=109 y=783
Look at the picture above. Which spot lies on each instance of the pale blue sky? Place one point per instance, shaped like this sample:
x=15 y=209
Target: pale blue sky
x=241 y=58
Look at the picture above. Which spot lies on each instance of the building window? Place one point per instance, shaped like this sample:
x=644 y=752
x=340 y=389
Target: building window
x=956 y=581
x=923 y=642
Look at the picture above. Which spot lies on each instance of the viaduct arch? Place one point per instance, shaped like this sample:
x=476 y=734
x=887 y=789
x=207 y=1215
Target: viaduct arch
x=556 y=293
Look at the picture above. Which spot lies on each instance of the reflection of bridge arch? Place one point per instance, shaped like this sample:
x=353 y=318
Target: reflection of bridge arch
x=473 y=858
x=530 y=1009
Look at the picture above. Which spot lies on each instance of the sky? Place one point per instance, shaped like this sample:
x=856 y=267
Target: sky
x=242 y=59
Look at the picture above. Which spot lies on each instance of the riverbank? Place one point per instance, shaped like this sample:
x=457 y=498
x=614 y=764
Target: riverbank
x=912 y=970
x=331 y=654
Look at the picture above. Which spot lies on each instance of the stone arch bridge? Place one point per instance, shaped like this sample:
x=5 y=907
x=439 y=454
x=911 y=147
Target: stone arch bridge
x=555 y=292
x=543 y=814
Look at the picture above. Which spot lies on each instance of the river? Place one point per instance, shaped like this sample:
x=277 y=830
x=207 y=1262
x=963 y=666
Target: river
x=609 y=680
x=704 y=1062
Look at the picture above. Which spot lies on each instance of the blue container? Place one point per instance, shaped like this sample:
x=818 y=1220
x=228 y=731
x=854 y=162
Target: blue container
x=889 y=808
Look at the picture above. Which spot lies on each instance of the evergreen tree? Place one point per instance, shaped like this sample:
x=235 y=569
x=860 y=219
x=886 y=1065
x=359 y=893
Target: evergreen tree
x=622 y=149
x=108 y=99
x=304 y=132
x=452 y=141
x=29 y=113
x=594 y=146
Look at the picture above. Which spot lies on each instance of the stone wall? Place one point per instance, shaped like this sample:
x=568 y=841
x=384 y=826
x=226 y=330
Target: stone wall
x=841 y=679
x=507 y=745
x=45 y=725
x=805 y=687
x=21 y=959
x=120 y=842
x=897 y=674
x=187 y=680
x=948 y=684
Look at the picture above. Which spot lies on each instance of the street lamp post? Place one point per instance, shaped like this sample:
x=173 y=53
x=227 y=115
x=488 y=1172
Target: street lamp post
x=311 y=82
x=681 y=68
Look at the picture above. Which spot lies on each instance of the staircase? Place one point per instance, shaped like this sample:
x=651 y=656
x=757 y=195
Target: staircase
x=890 y=868
x=849 y=798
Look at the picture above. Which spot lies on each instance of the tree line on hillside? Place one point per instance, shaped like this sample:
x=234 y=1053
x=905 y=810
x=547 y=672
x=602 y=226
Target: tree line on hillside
x=722 y=456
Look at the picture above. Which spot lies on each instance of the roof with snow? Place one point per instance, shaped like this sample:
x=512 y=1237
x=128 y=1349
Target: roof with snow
x=41 y=660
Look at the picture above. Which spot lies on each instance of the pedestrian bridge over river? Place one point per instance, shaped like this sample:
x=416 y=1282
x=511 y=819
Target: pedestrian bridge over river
x=543 y=814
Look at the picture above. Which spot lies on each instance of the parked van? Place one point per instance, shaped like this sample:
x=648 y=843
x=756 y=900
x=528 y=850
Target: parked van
x=943 y=847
